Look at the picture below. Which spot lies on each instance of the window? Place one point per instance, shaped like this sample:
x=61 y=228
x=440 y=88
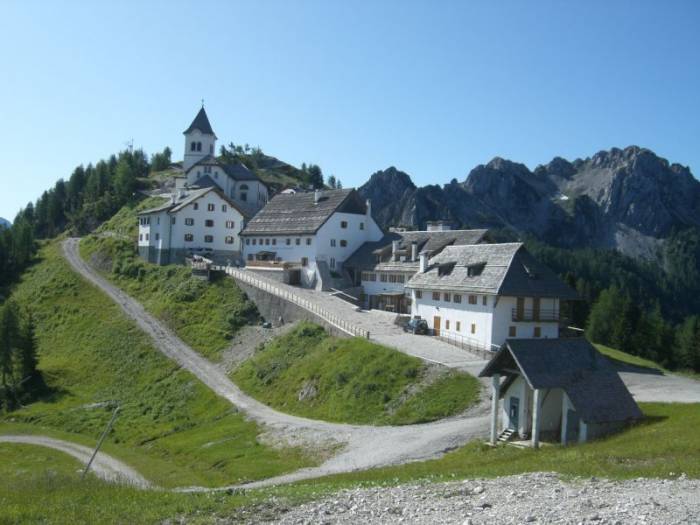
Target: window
x=447 y=324
x=146 y=236
x=193 y=146
x=230 y=225
x=274 y=242
x=189 y=222
x=157 y=236
x=189 y=237
x=211 y=149
x=446 y=297
x=343 y=243
x=157 y=220
x=419 y=294
x=297 y=242
x=209 y=223
x=208 y=238
x=396 y=278
x=196 y=205
x=308 y=241
x=475 y=269
x=224 y=208
x=199 y=146
x=473 y=328
x=172 y=220
x=244 y=196
x=247 y=241
x=210 y=207
x=484 y=300
x=255 y=241
x=304 y=261
x=140 y=236
x=537 y=332
x=436 y=296
x=512 y=331
x=457 y=298
x=332 y=243
x=207 y=169
x=228 y=239
x=250 y=256
x=458 y=325
x=333 y=262
x=343 y=224
x=472 y=299
x=260 y=242
x=362 y=225
x=289 y=241
x=383 y=277
x=267 y=242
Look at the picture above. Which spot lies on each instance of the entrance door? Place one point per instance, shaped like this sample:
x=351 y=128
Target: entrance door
x=436 y=324
x=572 y=424
x=513 y=413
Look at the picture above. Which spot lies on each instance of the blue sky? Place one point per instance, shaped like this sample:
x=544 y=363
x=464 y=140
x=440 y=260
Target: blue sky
x=433 y=88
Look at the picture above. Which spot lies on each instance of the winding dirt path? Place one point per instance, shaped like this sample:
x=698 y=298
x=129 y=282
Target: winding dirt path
x=364 y=446
x=104 y=466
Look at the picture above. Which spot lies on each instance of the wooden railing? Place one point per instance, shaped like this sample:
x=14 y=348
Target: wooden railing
x=332 y=319
x=529 y=314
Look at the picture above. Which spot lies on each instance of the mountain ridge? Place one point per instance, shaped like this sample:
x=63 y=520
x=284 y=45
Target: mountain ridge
x=627 y=199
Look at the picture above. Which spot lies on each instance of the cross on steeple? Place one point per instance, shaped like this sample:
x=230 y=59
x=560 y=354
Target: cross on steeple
x=202 y=102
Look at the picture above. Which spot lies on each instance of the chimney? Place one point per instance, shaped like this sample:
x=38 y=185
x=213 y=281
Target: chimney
x=173 y=197
x=317 y=196
x=423 y=265
x=369 y=208
x=414 y=251
x=394 y=250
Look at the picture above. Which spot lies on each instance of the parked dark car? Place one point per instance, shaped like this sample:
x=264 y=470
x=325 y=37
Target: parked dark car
x=416 y=327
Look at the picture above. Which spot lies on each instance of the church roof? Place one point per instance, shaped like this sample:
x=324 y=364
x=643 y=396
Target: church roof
x=236 y=170
x=201 y=122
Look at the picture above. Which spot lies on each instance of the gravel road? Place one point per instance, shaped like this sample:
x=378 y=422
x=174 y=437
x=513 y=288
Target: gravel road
x=363 y=447
x=104 y=466
x=528 y=498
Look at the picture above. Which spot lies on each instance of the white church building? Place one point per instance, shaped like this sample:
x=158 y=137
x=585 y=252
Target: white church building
x=209 y=208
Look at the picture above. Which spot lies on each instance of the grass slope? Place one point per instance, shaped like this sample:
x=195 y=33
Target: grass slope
x=124 y=222
x=660 y=447
x=171 y=428
x=204 y=315
x=355 y=381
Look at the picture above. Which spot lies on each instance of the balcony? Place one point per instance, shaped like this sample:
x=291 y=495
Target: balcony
x=531 y=315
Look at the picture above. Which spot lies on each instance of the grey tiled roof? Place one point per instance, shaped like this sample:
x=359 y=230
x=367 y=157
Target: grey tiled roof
x=200 y=122
x=365 y=257
x=189 y=196
x=297 y=213
x=505 y=269
x=588 y=378
x=236 y=170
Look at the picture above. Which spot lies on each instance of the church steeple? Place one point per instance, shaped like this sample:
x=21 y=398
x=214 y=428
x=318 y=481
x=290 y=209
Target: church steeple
x=200 y=140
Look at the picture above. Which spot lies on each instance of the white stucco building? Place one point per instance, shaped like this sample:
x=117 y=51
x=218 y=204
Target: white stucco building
x=383 y=268
x=304 y=238
x=203 y=169
x=560 y=390
x=481 y=295
x=201 y=221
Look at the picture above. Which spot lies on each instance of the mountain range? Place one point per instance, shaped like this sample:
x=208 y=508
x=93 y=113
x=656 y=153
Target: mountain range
x=626 y=199
x=4 y=223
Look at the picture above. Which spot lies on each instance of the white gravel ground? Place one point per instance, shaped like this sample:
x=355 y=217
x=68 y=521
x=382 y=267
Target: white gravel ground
x=529 y=498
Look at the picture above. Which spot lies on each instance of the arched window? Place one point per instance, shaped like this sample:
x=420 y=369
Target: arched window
x=244 y=187
x=193 y=146
x=199 y=146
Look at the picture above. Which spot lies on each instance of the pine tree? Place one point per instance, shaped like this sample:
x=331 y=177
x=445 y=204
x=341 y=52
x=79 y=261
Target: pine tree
x=9 y=340
x=124 y=180
x=27 y=358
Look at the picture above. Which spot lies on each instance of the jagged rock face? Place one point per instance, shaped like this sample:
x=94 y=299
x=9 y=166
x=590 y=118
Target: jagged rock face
x=626 y=199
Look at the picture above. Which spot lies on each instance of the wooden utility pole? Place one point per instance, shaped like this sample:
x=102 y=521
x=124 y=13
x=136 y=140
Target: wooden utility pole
x=99 y=443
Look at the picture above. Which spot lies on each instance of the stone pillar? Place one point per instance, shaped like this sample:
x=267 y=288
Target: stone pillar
x=496 y=394
x=536 y=419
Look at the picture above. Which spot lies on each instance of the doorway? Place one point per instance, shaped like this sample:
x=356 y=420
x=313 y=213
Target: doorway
x=436 y=325
x=514 y=413
x=572 y=424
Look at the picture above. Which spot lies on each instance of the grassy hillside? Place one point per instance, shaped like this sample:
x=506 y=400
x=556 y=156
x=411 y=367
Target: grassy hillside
x=308 y=373
x=171 y=427
x=204 y=315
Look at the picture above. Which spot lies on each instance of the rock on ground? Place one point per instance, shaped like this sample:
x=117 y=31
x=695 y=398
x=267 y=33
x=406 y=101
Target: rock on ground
x=528 y=498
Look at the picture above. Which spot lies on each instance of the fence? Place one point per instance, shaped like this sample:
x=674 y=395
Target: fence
x=465 y=343
x=280 y=292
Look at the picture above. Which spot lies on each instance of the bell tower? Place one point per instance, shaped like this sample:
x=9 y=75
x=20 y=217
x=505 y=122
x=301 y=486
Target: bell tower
x=200 y=140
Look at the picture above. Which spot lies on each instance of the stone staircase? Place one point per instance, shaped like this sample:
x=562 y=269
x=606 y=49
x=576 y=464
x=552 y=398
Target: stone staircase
x=506 y=435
